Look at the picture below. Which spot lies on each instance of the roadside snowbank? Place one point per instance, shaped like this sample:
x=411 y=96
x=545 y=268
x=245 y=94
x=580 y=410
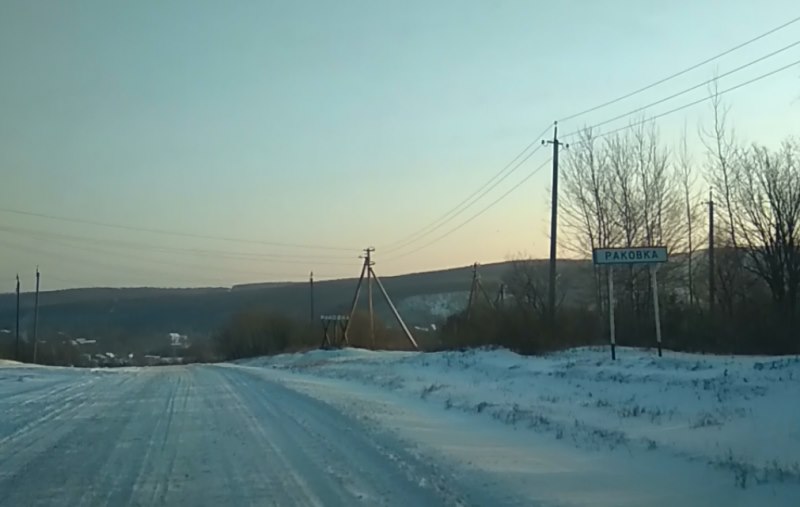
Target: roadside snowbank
x=734 y=414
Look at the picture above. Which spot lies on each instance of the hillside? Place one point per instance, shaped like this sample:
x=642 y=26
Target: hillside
x=199 y=312
x=202 y=310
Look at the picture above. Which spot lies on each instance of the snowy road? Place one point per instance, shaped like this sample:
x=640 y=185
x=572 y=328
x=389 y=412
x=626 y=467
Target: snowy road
x=198 y=435
x=354 y=427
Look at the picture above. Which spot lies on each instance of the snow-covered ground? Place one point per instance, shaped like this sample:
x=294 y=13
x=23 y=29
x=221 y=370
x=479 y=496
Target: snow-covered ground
x=436 y=306
x=576 y=428
x=204 y=435
x=353 y=427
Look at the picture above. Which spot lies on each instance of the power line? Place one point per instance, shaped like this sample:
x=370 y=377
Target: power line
x=476 y=215
x=95 y=265
x=469 y=200
x=681 y=72
x=117 y=267
x=166 y=232
x=149 y=247
x=698 y=101
x=482 y=194
x=173 y=262
x=687 y=90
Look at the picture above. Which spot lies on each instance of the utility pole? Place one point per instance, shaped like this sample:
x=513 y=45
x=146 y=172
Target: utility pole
x=474 y=289
x=501 y=296
x=553 y=224
x=366 y=269
x=369 y=263
x=311 y=297
x=712 y=285
x=16 y=351
x=36 y=316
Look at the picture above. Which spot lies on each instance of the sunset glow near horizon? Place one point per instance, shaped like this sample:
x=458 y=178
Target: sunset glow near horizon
x=204 y=143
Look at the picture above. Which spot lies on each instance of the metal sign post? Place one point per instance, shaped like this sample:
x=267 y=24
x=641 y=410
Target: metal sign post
x=611 y=312
x=651 y=256
x=654 y=284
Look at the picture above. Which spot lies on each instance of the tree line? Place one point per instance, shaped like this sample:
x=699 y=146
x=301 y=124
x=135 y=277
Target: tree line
x=629 y=189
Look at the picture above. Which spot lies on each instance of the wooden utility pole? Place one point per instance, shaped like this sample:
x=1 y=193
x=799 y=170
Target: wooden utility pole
x=501 y=296
x=36 y=317
x=474 y=289
x=346 y=337
x=366 y=269
x=395 y=312
x=16 y=351
x=551 y=299
x=369 y=263
x=712 y=282
x=312 y=314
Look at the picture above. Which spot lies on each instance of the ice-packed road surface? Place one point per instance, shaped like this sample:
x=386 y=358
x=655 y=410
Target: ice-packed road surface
x=354 y=427
x=198 y=435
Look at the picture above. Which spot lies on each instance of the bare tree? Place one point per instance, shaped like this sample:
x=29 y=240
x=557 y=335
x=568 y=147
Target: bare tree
x=723 y=173
x=769 y=200
x=688 y=179
x=527 y=283
x=720 y=143
x=585 y=202
x=660 y=189
x=621 y=192
x=586 y=185
x=625 y=198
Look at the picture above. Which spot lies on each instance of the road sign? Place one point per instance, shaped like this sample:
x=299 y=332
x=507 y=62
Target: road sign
x=634 y=255
x=648 y=255
x=333 y=317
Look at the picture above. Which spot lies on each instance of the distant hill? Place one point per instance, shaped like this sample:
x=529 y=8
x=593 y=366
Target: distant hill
x=201 y=311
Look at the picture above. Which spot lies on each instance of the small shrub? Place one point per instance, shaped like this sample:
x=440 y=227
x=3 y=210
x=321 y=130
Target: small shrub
x=517 y=329
x=255 y=333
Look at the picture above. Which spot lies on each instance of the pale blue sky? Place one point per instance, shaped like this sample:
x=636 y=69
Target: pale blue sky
x=348 y=123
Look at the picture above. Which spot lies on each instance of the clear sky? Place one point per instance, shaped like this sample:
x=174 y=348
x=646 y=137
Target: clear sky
x=334 y=124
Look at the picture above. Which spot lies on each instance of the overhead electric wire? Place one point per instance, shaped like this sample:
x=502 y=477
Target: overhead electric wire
x=95 y=265
x=476 y=215
x=174 y=233
x=687 y=90
x=470 y=200
x=493 y=182
x=698 y=101
x=480 y=196
x=457 y=210
x=115 y=256
x=110 y=263
x=681 y=72
x=174 y=262
x=205 y=253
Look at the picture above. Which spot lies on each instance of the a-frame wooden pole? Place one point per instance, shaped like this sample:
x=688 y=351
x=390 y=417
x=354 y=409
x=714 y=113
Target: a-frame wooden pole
x=394 y=310
x=355 y=302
